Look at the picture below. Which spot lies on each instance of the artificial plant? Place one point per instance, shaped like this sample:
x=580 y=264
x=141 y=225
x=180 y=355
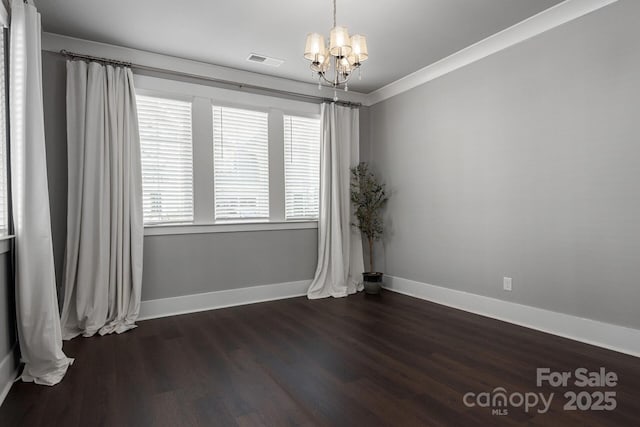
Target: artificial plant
x=368 y=197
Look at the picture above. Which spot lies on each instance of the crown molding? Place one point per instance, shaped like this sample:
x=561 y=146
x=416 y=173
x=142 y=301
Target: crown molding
x=544 y=21
x=537 y=24
x=55 y=43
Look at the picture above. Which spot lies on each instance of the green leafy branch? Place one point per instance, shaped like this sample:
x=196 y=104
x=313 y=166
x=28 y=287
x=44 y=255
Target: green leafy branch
x=368 y=197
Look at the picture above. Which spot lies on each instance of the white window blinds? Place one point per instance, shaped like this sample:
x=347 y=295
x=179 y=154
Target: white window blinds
x=241 y=163
x=167 y=164
x=301 y=167
x=4 y=214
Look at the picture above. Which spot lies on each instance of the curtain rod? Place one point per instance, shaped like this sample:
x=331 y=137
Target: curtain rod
x=211 y=79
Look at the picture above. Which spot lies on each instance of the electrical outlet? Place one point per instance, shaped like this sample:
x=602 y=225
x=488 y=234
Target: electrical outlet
x=506 y=283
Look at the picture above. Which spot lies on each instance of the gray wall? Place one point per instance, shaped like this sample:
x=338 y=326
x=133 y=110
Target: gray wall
x=195 y=263
x=365 y=136
x=181 y=264
x=524 y=164
x=7 y=308
x=54 y=82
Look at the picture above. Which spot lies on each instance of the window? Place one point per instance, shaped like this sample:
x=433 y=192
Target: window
x=226 y=160
x=240 y=163
x=4 y=206
x=167 y=159
x=301 y=167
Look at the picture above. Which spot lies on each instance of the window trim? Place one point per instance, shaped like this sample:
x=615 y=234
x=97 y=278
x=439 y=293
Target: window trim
x=231 y=227
x=4 y=16
x=6 y=243
x=8 y=232
x=271 y=176
x=239 y=99
x=193 y=173
x=284 y=144
x=203 y=98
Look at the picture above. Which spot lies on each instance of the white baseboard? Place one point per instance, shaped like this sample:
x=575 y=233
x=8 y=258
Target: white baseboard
x=612 y=337
x=8 y=373
x=220 y=299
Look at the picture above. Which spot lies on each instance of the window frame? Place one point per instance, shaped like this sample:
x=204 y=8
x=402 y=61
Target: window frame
x=269 y=178
x=181 y=99
x=6 y=237
x=203 y=98
x=319 y=157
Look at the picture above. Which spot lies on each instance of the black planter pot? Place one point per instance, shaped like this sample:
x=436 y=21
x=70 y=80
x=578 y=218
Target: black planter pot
x=372 y=282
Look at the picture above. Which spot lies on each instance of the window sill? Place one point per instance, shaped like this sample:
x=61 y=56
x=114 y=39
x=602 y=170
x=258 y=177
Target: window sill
x=169 y=229
x=5 y=243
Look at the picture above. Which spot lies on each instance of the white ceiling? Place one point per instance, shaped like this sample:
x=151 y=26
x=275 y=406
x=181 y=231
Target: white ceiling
x=403 y=35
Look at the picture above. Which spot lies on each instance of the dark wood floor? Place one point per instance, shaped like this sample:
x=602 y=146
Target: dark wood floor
x=360 y=361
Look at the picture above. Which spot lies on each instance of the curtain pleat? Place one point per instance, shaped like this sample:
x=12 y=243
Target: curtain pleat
x=39 y=332
x=103 y=260
x=340 y=256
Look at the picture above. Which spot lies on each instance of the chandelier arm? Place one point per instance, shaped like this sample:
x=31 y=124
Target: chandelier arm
x=346 y=79
x=333 y=83
x=325 y=78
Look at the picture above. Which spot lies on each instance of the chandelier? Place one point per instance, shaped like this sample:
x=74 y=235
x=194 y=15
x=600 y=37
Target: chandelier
x=335 y=64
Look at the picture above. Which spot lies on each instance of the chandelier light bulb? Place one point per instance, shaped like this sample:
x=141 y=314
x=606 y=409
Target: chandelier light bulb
x=314 y=47
x=359 y=48
x=340 y=42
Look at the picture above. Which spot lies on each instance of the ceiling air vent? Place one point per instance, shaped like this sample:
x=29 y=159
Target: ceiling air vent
x=265 y=60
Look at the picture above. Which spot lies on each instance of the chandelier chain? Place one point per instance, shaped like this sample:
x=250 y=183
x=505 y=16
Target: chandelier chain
x=334 y=13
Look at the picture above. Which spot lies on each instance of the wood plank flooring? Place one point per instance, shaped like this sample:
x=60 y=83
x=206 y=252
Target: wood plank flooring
x=358 y=361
